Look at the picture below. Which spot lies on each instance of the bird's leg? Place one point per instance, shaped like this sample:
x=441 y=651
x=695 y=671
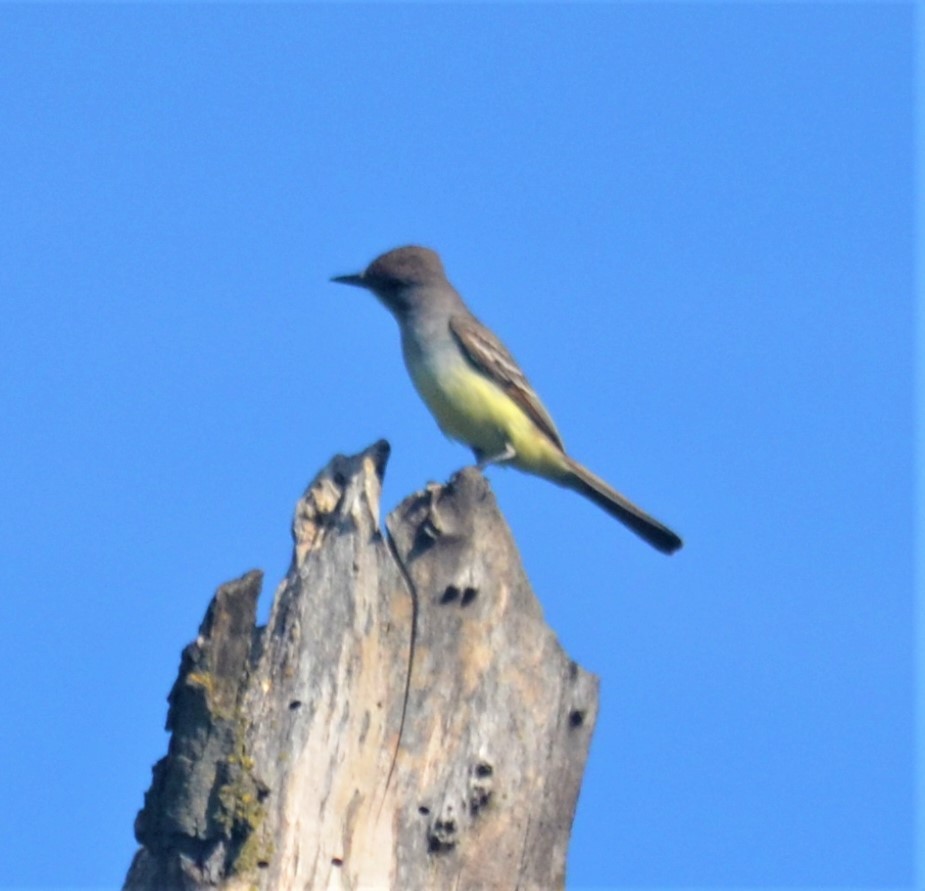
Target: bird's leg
x=482 y=460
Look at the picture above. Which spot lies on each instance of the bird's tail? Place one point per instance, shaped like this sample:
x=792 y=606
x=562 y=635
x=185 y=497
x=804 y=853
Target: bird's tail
x=581 y=480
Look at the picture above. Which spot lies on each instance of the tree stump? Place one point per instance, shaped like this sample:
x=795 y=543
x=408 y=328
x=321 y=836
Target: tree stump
x=406 y=719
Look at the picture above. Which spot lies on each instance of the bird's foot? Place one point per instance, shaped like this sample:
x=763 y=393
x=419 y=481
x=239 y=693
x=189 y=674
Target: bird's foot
x=482 y=460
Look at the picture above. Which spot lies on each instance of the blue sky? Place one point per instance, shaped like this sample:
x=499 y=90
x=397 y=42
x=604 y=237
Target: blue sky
x=691 y=223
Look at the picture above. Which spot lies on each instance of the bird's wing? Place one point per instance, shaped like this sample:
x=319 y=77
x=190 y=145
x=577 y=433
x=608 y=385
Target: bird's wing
x=491 y=357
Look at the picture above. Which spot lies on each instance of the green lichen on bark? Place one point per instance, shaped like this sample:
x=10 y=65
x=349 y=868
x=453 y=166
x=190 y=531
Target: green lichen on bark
x=240 y=808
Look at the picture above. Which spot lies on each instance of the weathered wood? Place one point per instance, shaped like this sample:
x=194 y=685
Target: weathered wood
x=405 y=720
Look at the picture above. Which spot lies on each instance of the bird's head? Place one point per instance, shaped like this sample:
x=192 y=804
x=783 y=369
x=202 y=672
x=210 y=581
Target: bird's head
x=393 y=275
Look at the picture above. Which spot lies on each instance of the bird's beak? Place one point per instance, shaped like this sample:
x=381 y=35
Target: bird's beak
x=356 y=279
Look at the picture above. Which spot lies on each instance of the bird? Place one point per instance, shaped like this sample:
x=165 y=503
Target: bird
x=476 y=390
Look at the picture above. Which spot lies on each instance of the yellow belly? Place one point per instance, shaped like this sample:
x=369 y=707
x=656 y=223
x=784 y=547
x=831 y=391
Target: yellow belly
x=470 y=408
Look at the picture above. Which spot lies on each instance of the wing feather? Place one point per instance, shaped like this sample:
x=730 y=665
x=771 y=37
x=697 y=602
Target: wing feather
x=492 y=358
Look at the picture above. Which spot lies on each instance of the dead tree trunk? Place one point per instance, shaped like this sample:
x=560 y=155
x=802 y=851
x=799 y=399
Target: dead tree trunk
x=405 y=720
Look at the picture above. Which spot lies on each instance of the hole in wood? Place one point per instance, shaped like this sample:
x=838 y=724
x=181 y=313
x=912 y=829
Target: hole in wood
x=450 y=594
x=576 y=718
x=442 y=837
x=480 y=786
x=468 y=596
x=430 y=529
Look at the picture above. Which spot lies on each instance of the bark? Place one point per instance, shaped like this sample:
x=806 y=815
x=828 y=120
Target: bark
x=406 y=719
